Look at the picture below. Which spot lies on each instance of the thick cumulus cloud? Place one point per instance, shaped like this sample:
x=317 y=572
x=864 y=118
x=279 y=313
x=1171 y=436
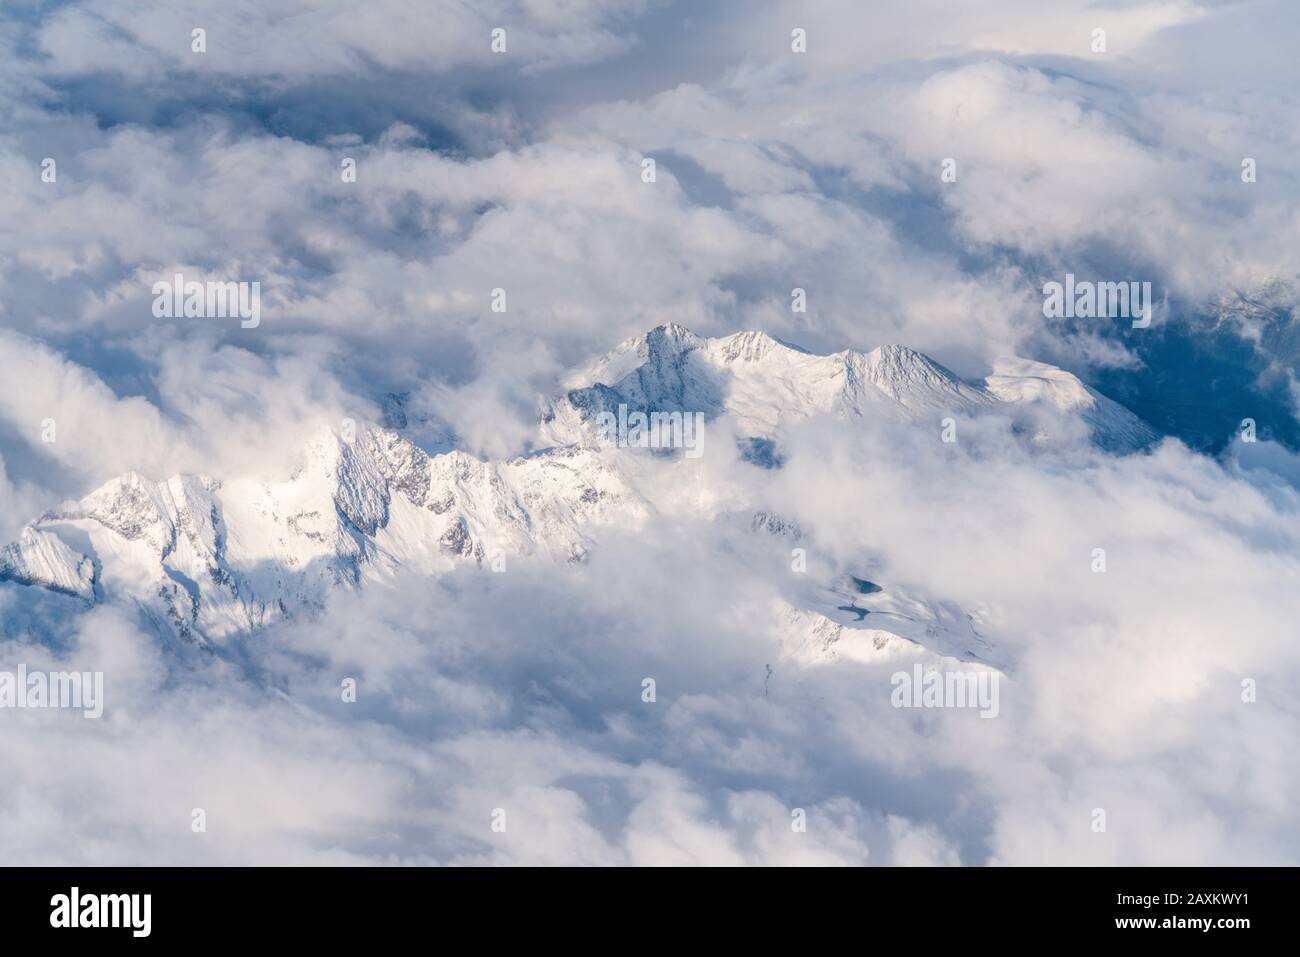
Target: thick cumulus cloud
x=524 y=172
x=522 y=692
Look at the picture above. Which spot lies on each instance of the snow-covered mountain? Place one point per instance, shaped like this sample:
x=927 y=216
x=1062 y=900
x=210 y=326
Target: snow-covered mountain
x=763 y=384
x=210 y=561
x=1023 y=381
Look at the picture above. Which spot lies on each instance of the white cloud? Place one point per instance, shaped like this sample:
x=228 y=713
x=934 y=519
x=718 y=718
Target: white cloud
x=775 y=171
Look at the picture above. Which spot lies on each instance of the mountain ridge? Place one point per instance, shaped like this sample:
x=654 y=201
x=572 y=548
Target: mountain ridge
x=765 y=384
x=210 y=560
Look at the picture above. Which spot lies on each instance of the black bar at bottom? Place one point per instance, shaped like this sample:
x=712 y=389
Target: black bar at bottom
x=337 y=906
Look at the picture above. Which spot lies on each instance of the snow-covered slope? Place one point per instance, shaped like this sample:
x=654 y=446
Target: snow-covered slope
x=763 y=384
x=1023 y=381
x=40 y=558
x=207 y=560
x=865 y=621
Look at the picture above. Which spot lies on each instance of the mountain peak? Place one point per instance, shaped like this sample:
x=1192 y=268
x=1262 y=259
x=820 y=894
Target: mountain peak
x=915 y=381
x=763 y=383
x=752 y=346
x=672 y=331
x=663 y=343
x=668 y=341
x=895 y=361
x=207 y=559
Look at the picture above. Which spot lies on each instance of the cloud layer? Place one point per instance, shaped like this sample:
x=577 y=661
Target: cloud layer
x=524 y=172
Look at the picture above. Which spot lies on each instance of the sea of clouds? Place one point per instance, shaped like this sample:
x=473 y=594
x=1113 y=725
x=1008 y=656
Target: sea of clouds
x=775 y=170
